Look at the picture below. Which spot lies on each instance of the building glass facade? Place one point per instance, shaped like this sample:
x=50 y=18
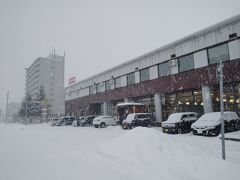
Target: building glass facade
x=186 y=63
x=144 y=75
x=117 y=82
x=183 y=101
x=215 y=54
x=100 y=87
x=92 y=89
x=231 y=97
x=163 y=69
x=131 y=78
x=109 y=84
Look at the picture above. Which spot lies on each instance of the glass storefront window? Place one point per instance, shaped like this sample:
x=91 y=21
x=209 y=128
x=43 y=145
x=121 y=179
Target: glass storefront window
x=186 y=63
x=237 y=90
x=218 y=53
x=183 y=101
x=231 y=100
x=163 y=69
x=131 y=78
x=144 y=75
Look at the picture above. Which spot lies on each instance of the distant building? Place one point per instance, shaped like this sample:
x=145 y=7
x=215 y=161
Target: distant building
x=178 y=77
x=49 y=73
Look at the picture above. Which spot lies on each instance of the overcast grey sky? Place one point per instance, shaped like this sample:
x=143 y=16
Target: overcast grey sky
x=96 y=34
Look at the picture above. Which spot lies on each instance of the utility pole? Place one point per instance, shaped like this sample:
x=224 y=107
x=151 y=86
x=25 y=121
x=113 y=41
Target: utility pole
x=26 y=100
x=220 y=75
x=6 y=108
x=26 y=104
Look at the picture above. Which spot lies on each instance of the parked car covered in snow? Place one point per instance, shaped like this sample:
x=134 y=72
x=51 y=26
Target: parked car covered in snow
x=65 y=121
x=210 y=123
x=137 y=119
x=60 y=121
x=76 y=122
x=178 y=123
x=103 y=121
x=54 y=121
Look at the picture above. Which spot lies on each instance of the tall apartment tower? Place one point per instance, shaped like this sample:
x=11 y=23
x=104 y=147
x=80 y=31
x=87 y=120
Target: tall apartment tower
x=49 y=73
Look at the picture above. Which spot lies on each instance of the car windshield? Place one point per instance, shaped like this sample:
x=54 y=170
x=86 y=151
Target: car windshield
x=130 y=117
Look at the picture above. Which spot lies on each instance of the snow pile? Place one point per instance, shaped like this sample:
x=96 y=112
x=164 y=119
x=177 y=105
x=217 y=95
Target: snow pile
x=161 y=155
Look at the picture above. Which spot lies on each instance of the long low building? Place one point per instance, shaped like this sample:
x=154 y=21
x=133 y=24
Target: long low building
x=178 y=77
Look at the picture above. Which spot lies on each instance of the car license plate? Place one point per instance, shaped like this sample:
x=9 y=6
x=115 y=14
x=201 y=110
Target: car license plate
x=165 y=130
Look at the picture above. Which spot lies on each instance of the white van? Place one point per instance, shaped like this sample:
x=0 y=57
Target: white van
x=210 y=123
x=103 y=121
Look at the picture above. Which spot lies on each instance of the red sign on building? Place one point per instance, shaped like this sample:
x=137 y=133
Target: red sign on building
x=71 y=80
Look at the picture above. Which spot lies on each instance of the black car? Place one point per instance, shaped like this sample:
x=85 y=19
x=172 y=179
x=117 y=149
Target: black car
x=69 y=120
x=137 y=119
x=65 y=121
x=178 y=123
x=86 y=120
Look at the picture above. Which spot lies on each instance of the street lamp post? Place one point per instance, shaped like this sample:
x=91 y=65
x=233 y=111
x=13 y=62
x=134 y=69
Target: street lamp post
x=6 y=108
x=220 y=75
x=26 y=104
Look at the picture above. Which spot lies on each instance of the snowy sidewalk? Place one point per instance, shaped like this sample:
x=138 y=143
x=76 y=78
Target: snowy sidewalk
x=233 y=136
x=41 y=152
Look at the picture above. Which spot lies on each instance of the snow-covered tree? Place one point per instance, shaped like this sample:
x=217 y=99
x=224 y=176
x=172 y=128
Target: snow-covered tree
x=25 y=105
x=33 y=105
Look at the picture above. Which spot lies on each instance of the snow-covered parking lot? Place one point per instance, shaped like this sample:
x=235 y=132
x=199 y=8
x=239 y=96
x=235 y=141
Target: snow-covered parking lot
x=42 y=152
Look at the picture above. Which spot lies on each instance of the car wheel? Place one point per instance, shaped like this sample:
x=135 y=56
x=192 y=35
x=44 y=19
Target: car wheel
x=179 y=131
x=217 y=132
x=96 y=126
x=102 y=125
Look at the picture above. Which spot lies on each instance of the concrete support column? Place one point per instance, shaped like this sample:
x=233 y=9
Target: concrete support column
x=126 y=100
x=105 y=108
x=207 y=99
x=158 y=107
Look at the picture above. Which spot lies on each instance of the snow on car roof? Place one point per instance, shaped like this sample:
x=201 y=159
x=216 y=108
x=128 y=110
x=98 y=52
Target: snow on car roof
x=217 y=115
x=176 y=117
x=129 y=104
x=130 y=117
x=102 y=116
x=137 y=113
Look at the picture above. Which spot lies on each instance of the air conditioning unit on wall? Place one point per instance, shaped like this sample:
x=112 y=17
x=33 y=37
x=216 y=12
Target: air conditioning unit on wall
x=172 y=62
